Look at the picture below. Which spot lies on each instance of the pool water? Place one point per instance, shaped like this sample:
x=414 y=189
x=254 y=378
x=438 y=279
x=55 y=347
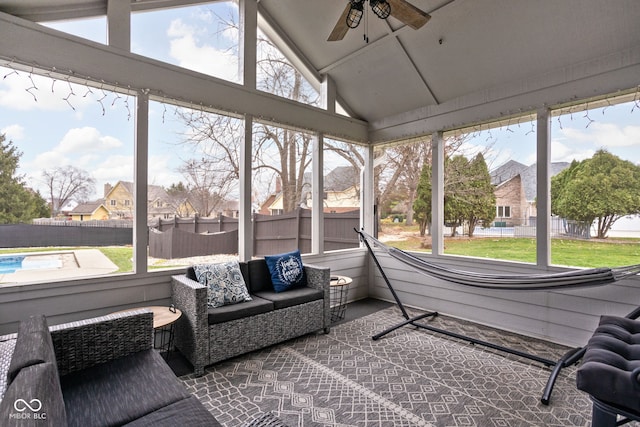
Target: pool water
x=11 y=264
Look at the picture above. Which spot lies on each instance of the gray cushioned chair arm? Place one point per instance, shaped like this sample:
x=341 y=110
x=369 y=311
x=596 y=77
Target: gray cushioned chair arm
x=319 y=277
x=85 y=343
x=192 y=329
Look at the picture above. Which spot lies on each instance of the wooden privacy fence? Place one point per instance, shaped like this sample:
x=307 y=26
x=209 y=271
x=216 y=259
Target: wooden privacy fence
x=274 y=234
x=196 y=224
x=271 y=234
x=187 y=237
x=176 y=243
x=30 y=235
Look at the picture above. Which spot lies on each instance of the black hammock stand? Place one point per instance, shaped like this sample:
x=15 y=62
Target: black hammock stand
x=570 y=279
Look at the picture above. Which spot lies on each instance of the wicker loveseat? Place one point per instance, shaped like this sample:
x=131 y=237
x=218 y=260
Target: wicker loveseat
x=208 y=335
x=97 y=372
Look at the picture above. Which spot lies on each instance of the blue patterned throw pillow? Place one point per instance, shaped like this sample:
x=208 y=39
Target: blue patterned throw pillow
x=224 y=282
x=286 y=270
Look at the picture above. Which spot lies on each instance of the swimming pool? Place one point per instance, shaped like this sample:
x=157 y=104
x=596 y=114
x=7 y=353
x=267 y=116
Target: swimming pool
x=12 y=263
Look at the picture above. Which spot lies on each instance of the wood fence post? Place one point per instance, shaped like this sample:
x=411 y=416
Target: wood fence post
x=299 y=231
x=254 y=227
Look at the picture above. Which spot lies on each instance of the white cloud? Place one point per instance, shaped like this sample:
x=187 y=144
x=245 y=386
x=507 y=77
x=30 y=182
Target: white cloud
x=605 y=135
x=84 y=148
x=111 y=170
x=561 y=152
x=86 y=139
x=49 y=160
x=13 y=132
x=161 y=172
x=192 y=53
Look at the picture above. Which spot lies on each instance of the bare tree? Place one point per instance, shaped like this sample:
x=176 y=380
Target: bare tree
x=65 y=183
x=398 y=176
x=278 y=153
x=211 y=179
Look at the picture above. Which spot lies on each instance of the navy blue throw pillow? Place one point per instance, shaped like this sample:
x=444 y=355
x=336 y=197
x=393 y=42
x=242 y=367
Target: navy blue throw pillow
x=286 y=270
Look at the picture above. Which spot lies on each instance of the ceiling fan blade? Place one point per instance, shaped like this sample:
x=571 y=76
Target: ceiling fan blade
x=341 y=28
x=408 y=13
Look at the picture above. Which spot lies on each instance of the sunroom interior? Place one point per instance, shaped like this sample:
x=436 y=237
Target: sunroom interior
x=472 y=64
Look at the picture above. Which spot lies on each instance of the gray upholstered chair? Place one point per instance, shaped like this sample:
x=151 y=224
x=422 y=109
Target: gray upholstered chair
x=610 y=371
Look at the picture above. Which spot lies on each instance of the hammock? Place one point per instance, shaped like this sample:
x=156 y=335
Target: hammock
x=589 y=277
x=567 y=279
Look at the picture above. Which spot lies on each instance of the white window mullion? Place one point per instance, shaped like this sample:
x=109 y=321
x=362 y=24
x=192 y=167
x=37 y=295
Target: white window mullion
x=245 y=225
x=141 y=152
x=437 y=193
x=317 y=188
x=248 y=42
x=543 y=198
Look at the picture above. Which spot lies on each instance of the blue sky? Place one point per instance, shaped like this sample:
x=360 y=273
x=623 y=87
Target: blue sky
x=94 y=129
x=576 y=136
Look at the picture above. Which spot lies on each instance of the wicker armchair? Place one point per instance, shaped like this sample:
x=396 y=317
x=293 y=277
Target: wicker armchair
x=204 y=343
x=89 y=342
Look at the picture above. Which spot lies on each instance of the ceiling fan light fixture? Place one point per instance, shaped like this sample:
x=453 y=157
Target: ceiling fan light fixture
x=355 y=13
x=381 y=8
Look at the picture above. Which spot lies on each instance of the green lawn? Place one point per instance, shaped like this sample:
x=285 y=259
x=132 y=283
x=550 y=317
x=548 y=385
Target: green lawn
x=575 y=253
x=120 y=256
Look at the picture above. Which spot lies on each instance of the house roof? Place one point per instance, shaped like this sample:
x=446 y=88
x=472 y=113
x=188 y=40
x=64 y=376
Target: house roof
x=342 y=178
x=507 y=171
x=488 y=56
x=88 y=208
x=154 y=192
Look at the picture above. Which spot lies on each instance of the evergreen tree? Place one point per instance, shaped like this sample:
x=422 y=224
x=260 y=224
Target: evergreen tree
x=17 y=202
x=422 y=203
x=456 y=191
x=601 y=189
x=469 y=197
x=481 y=195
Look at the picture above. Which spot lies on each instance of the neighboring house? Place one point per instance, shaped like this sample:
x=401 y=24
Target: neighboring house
x=68 y=207
x=341 y=193
x=515 y=190
x=90 y=211
x=341 y=190
x=274 y=205
x=265 y=208
x=119 y=200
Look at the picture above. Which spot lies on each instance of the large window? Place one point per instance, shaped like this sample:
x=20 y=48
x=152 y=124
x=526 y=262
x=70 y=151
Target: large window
x=201 y=38
x=401 y=216
x=595 y=196
x=341 y=202
x=193 y=192
x=277 y=75
x=67 y=152
x=282 y=184
x=490 y=190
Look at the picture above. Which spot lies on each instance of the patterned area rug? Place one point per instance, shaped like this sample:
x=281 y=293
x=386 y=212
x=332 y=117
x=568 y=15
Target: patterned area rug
x=410 y=377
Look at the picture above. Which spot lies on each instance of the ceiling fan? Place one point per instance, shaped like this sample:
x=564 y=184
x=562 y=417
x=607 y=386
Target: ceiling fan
x=399 y=9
